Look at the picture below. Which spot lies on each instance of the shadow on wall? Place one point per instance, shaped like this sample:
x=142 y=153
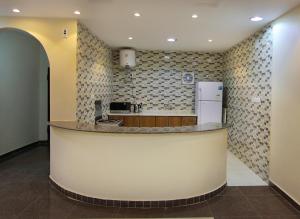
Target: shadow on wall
x=23 y=90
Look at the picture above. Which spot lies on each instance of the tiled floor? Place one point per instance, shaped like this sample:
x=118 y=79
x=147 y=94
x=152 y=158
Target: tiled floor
x=25 y=193
x=238 y=174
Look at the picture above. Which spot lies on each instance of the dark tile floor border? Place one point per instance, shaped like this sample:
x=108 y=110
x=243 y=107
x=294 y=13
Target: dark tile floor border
x=22 y=150
x=286 y=196
x=138 y=204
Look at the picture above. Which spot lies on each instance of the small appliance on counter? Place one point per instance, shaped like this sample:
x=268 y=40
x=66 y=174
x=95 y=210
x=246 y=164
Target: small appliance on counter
x=209 y=102
x=125 y=107
x=120 y=107
x=136 y=108
x=99 y=117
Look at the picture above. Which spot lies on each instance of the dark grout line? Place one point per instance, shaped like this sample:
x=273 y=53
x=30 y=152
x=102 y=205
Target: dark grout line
x=116 y=213
x=284 y=200
x=19 y=216
x=210 y=210
x=251 y=204
x=291 y=205
x=286 y=197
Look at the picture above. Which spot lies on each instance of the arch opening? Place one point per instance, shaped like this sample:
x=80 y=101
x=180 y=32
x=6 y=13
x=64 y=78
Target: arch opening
x=24 y=90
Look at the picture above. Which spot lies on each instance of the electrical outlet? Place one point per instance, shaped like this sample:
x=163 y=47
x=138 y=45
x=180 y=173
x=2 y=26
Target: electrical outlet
x=66 y=33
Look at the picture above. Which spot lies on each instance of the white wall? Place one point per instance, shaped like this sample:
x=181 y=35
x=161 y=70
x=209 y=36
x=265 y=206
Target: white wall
x=19 y=90
x=285 y=129
x=62 y=58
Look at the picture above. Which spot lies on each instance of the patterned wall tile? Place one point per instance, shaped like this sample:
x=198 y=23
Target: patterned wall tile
x=157 y=78
x=245 y=69
x=247 y=75
x=94 y=74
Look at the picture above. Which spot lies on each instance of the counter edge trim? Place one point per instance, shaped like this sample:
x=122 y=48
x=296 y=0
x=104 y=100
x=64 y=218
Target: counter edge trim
x=138 y=132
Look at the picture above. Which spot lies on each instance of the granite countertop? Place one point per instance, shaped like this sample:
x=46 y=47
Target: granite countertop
x=76 y=126
x=156 y=113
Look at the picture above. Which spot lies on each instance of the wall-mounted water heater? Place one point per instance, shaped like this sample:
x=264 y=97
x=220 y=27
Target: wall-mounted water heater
x=127 y=58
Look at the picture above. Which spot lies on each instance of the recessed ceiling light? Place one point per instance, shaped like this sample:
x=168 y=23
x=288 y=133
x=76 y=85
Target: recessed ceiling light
x=171 y=40
x=255 y=19
x=77 y=12
x=137 y=14
x=210 y=40
x=130 y=38
x=15 y=10
x=194 y=16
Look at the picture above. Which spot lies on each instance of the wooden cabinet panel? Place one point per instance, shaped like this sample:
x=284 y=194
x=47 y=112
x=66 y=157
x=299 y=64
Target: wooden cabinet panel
x=132 y=121
x=189 y=121
x=175 y=121
x=147 y=121
x=162 y=121
x=156 y=121
x=116 y=118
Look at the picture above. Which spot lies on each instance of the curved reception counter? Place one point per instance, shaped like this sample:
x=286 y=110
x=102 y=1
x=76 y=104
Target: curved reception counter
x=138 y=167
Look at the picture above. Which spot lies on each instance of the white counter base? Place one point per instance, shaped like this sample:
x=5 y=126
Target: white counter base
x=140 y=167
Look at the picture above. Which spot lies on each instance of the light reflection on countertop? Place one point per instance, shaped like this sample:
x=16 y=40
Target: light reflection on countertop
x=77 y=126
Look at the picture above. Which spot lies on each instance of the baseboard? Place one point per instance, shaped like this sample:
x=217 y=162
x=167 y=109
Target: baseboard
x=22 y=150
x=285 y=195
x=43 y=143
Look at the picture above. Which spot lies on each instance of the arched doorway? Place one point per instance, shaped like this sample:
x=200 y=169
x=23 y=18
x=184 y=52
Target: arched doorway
x=24 y=90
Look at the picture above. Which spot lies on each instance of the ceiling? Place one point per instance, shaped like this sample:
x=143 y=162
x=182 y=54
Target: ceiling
x=226 y=22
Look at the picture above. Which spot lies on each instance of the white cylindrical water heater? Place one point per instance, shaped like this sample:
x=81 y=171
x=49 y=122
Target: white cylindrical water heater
x=127 y=58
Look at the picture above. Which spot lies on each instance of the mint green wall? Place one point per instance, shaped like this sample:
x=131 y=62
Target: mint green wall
x=21 y=93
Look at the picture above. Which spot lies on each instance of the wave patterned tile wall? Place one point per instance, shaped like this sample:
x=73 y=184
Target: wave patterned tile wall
x=248 y=68
x=245 y=70
x=94 y=74
x=157 y=78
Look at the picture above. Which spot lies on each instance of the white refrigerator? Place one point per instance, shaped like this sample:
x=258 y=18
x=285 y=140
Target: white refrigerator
x=209 y=102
